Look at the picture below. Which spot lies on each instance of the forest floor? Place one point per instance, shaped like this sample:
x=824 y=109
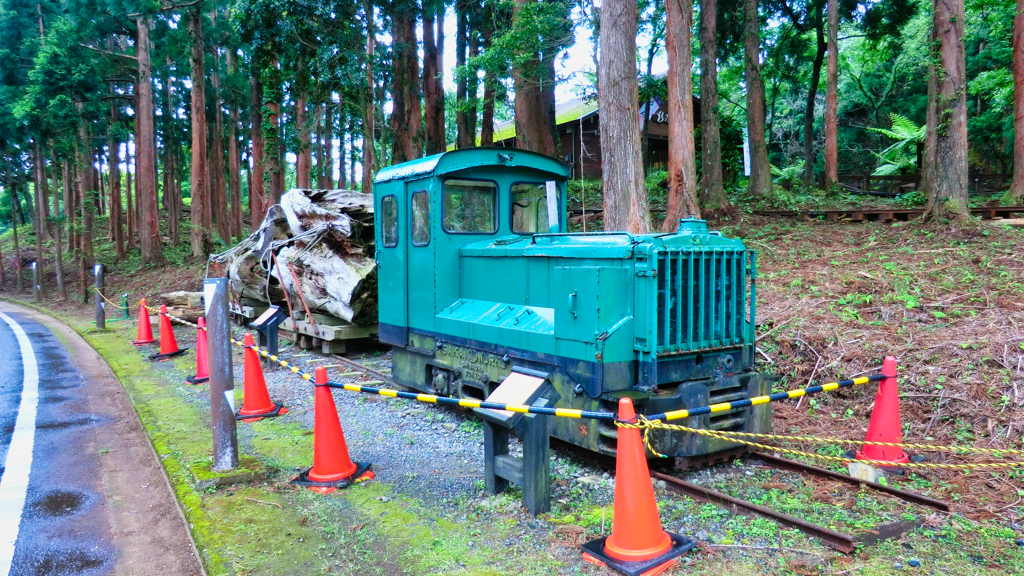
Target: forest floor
x=833 y=300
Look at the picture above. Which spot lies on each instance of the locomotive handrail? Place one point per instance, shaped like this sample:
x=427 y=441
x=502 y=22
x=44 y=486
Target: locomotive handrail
x=533 y=240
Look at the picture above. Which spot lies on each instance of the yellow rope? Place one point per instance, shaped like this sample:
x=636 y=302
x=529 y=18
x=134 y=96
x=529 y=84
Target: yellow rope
x=648 y=425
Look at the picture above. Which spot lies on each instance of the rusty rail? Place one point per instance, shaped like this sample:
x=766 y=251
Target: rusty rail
x=833 y=539
x=904 y=495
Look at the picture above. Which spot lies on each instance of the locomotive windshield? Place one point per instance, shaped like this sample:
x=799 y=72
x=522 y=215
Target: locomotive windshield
x=530 y=207
x=470 y=207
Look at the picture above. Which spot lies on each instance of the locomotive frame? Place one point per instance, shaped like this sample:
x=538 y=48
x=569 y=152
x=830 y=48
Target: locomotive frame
x=476 y=274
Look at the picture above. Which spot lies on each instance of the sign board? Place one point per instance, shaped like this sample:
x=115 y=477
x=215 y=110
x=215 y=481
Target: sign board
x=517 y=388
x=266 y=316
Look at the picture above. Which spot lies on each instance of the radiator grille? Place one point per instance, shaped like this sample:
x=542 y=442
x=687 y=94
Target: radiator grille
x=704 y=300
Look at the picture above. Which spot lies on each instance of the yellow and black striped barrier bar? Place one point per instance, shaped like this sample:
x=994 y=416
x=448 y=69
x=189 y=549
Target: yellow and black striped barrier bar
x=757 y=400
x=473 y=403
x=561 y=412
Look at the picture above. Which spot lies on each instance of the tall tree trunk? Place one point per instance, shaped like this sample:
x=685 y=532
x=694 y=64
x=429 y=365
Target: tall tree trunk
x=87 y=191
x=70 y=214
x=234 y=157
x=812 y=96
x=832 y=100
x=273 y=147
x=490 y=85
x=682 y=158
x=12 y=191
x=39 y=165
x=257 y=188
x=218 y=184
x=149 y=226
x=131 y=211
x=328 y=168
x=532 y=132
x=463 y=139
x=405 y=117
x=200 y=178
x=58 y=255
x=760 y=171
x=472 y=81
x=369 y=105
x=304 y=155
x=712 y=196
x=320 y=118
x=433 y=87
x=172 y=187
x=116 y=211
x=622 y=178
x=949 y=191
x=1016 y=193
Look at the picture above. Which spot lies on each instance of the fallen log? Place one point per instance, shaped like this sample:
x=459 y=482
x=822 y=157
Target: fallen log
x=326 y=237
x=183 y=299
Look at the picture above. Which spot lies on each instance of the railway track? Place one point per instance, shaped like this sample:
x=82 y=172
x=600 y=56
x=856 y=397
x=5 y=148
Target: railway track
x=840 y=541
x=376 y=374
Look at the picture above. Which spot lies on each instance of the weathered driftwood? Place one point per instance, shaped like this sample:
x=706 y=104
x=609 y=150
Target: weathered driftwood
x=185 y=313
x=183 y=299
x=326 y=236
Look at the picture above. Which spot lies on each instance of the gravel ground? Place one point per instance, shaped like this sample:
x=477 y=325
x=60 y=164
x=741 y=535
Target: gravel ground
x=433 y=452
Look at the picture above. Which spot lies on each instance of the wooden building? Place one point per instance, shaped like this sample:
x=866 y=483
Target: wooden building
x=579 y=136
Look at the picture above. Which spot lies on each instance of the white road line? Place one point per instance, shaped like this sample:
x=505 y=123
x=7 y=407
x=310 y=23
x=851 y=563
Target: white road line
x=14 y=484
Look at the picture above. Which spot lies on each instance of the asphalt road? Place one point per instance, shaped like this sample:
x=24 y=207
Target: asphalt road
x=81 y=492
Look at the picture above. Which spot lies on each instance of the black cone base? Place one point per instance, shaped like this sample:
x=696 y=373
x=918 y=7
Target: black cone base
x=680 y=545
x=197 y=379
x=169 y=355
x=303 y=478
x=277 y=411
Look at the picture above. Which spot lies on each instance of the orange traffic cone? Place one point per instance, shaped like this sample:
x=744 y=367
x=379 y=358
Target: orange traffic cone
x=144 y=335
x=256 y=404
x=168 y=344
x=332 y=467
x=638 y=545
x=884 y=425
x=202 y=359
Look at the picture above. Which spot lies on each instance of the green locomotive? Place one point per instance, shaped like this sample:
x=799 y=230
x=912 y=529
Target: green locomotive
x=477 y=274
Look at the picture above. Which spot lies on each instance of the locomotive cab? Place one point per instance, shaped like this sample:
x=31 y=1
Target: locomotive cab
x=477 y=274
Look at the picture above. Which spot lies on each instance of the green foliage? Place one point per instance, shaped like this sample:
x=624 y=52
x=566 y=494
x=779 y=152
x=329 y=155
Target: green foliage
x=901 y=156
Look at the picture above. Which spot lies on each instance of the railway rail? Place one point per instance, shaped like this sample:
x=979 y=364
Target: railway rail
x=840 y=541
x=834 y=539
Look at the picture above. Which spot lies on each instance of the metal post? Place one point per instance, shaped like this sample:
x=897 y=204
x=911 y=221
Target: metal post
x=222 y=380
x=101 y=311
x=36 y=289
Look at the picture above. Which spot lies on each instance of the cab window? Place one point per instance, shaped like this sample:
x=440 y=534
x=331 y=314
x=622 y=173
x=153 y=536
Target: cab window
x=389 y=220
x=420 y=218
x=530 y=207
x=470 y=207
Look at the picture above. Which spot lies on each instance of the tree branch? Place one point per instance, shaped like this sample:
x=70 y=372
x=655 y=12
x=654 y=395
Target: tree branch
x=108 y=53
x=166 y=8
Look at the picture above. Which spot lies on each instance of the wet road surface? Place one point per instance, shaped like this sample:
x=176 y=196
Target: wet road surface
x=81 y=492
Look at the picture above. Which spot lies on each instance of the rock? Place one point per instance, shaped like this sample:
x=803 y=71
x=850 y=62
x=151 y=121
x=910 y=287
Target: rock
x=605 y=476
x=1019 y=542
x=702 y=536
x=915 y=563
x=897 y=566
x=660 y=484
x=417 y=413
x=449 y=426
x=590 y=480
x=864 y=472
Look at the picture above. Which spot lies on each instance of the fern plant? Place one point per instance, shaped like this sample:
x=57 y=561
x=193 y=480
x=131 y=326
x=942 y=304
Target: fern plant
x=897 y=158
